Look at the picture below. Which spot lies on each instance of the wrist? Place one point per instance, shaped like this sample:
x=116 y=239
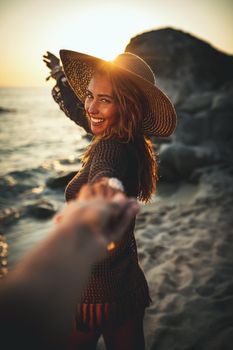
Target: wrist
x=56 y=69
x=58 y=75
x=87 y=240
x=57 y=72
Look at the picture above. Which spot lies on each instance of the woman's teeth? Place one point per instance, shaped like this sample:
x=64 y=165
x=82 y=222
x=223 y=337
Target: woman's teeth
x=96 y=120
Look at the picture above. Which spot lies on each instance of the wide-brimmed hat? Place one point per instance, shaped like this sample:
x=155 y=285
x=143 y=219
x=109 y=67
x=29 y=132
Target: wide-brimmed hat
x=159 y=118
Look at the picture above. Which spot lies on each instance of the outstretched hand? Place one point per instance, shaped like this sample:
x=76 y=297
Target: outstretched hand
x=50 y=279
x=51 y=60
x=53 y=63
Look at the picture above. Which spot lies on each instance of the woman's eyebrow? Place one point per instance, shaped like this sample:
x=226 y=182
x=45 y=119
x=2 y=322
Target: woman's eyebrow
x=104 y=95
x=88 y=92
x=99 y=95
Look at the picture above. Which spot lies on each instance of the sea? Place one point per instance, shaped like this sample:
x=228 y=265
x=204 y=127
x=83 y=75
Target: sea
x=38 y=142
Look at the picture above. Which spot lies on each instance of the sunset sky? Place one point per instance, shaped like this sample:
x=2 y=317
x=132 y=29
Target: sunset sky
x=103 y=28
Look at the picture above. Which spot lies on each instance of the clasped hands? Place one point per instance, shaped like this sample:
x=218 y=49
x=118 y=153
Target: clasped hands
x=100 y=211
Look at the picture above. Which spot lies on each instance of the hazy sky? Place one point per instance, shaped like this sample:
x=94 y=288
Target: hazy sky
x=103 y=28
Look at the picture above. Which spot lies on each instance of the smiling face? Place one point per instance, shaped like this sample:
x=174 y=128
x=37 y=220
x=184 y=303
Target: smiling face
x=100 y=106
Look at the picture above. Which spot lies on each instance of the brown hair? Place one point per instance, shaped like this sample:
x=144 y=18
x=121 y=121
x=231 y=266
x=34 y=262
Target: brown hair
x=131 y=104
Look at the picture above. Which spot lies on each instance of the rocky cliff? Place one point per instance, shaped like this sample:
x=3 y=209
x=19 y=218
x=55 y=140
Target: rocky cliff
x=183 y=64
x=199 y=80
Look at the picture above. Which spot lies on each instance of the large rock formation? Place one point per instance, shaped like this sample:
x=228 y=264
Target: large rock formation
x=199 y=80
x=182 y=63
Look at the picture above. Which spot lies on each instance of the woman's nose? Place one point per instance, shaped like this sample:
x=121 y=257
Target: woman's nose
x=93 y=107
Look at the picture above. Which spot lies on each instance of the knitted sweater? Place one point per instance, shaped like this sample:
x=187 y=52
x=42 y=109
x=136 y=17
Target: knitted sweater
x=117 y=287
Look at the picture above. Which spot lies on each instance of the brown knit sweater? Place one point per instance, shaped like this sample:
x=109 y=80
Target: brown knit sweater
x=117 y=288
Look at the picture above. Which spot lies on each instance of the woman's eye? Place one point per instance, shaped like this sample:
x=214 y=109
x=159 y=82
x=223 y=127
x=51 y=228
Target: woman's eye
x=105 y=100
x=88 y=96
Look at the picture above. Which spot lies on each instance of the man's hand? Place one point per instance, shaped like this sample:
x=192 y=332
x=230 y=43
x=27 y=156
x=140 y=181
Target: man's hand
x=49 y=280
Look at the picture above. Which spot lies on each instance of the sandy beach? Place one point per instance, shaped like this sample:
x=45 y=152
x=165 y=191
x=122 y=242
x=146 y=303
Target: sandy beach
x=187 y=256
x=185 y=243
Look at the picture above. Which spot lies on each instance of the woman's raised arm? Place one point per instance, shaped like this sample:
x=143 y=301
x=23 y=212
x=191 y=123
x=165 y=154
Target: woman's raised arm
x=63 y=94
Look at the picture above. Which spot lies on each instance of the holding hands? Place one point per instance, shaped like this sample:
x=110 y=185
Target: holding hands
x=101 y=209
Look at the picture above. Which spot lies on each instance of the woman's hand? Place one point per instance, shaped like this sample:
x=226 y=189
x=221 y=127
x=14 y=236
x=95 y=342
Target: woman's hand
x=53 y=63
x=105 y=188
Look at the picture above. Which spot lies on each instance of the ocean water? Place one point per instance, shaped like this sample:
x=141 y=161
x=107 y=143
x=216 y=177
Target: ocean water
x=37 y=142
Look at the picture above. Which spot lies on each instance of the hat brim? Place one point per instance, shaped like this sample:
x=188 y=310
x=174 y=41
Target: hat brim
x=160 y=116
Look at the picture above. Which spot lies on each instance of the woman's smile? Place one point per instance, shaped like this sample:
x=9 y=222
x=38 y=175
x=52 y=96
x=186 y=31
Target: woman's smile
x=96 y=120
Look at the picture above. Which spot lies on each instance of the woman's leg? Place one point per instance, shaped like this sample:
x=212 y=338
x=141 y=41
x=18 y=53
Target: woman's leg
x=127 y=336
x=83 y=340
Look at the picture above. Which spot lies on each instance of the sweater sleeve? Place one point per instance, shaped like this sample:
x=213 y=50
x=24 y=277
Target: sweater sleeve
x=109 y=160
x=70 y=104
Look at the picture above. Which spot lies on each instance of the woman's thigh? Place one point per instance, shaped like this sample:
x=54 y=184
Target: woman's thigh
x=127 y=336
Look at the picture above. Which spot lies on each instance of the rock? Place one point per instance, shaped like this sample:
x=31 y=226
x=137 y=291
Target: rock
x=7 y=110
x=223 y=98
x=213 y=125
x=197 y=102
x=183 y=64
x=40 y=210
x=68 y=161
x=9 y=216
x=222 y=132
x=199 y=80
x=193 y=129
x=178 y=161
x=61 y=181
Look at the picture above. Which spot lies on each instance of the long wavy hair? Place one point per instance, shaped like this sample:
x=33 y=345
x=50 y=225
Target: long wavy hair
x=131 y=104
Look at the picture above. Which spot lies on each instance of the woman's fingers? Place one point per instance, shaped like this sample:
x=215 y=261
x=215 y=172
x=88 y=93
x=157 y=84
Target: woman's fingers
x=51 y=60
x=87 y=192
x=99 y=189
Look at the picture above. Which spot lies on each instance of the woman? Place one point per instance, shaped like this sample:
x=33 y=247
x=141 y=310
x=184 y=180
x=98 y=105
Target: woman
x=122 y=108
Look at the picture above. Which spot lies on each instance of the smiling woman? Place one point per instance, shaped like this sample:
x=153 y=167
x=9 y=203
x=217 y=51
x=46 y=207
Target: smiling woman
x=119 y=103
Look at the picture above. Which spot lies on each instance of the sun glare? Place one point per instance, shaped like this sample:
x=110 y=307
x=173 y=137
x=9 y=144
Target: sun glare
x=99 y=28
x=106 y=30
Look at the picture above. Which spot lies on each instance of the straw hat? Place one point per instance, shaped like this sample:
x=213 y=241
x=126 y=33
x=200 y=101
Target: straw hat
x=159 y=118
